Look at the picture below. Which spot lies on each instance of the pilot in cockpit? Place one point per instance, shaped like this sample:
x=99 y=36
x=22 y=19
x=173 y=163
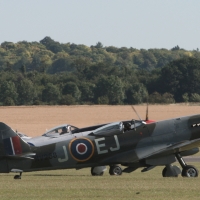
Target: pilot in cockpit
x=64 y=130
x=127 y=126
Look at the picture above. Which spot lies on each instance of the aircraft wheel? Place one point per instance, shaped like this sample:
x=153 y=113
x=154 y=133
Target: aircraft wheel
x=115 y=170
x=171 y=171
x=17 y=177
x=164 y=172
x=190 y=171
x=95 y=174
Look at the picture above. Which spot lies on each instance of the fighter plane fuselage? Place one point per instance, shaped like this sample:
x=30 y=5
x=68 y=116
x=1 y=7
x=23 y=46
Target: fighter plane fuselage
x=143 y=145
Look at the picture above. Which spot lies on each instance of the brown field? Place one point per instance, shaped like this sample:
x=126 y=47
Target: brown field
x=35 y=120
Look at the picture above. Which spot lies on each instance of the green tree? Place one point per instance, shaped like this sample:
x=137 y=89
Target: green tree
x=180 y=77
x=51 y=94
x=175 y=48
x=51 y=45
x=26 y=91
x=87 y=91
x=72 y=89
x=136 y=94
x=99 y=45
x=8 y=93
x=110 y=87
x=23 y=70
x=61 y=65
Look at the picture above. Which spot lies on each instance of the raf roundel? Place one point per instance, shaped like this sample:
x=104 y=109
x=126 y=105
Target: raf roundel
x=81 y=149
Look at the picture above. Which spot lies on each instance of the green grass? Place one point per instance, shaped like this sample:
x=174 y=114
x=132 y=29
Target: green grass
x=72 y=184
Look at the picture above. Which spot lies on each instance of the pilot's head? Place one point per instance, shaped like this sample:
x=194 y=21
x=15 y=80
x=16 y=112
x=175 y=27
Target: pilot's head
x=127 y=126
x=64 y=129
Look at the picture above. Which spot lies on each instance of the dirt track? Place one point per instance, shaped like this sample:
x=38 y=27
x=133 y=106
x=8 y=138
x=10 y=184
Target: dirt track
x=35 y=120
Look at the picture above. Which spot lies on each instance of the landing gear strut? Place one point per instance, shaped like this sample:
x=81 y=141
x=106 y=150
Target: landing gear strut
x=18 y=176
x=188 y=170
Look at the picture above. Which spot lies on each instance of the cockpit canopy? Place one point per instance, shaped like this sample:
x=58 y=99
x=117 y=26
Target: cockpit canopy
x=60 y=130
x=117 y=128
x=110 y=129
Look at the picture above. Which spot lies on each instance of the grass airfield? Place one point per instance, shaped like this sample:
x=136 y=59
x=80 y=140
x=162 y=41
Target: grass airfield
x=79 y=184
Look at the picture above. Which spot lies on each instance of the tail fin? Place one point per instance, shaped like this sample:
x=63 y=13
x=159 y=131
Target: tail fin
x=10 y=143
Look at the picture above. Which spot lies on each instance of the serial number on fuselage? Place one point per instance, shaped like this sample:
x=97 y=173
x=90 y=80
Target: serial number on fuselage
x=47 y=156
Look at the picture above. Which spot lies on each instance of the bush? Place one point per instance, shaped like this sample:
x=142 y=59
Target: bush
x=185 y=97
x=155 y=98
x=168 y=98
x=103 y=100
x=9 y=101
x=38 y=102
x=68 y=100
x=158 y=98
x=195 y=97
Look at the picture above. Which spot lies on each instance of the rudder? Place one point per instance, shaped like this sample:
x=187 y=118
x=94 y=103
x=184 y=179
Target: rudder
x=10 y=143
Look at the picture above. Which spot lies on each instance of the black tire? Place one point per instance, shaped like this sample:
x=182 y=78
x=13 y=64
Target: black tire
x=189 y=171
x=164 y=173
x=94 y=174
x=17 y=177
x=115 y=170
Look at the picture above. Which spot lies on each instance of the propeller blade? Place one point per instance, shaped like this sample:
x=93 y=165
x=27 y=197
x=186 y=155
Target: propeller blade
x=136 y=112
x=147 y=112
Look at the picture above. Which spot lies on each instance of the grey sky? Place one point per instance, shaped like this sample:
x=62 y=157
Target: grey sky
x=121 y=23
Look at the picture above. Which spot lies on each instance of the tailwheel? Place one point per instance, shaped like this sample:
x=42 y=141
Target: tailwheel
x=190 y=171
x=18 y=176
x=115 y=170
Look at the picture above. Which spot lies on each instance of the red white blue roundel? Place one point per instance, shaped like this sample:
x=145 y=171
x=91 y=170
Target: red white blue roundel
x=81 y=149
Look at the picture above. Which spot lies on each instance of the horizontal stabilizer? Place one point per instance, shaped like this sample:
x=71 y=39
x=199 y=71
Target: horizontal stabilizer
x=19 y=157
x=16 y=170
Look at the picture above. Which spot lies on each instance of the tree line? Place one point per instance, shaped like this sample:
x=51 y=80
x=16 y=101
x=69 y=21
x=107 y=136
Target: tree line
x=66 y=74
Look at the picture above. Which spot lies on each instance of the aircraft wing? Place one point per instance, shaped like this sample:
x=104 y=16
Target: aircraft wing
x=175 y=148
x=149 y=153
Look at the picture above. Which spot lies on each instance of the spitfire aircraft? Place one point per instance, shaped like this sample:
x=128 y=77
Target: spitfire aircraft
x=131 y=144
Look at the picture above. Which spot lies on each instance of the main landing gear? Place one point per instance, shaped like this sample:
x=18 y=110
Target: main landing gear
x=99 y=170
x=115 y=170
x=188 y=170
x=18 y=176
x=174 y=171
x=171 y=171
